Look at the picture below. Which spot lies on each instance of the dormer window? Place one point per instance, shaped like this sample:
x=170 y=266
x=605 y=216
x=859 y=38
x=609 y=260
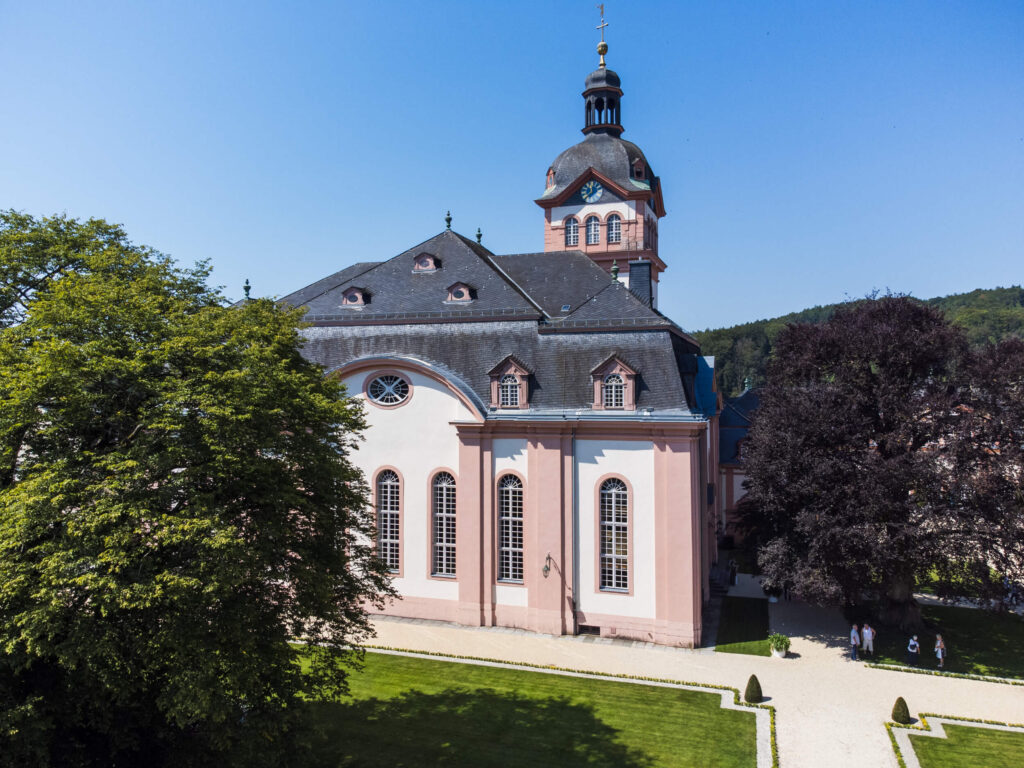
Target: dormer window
x=550 y=182
x=355 y=297
x=510 y=384
x=460 y=292
x=425 y=262
x=508 y=391
x=614 y=385
x=638 y=169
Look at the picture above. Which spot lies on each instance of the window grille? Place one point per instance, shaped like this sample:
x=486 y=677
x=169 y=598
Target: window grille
x=614 y=391
x=388 y=390
x=510 y=528
x=444 y=524
x=388 y=524
x=593 y=230
x=572 y=231
x=614 y=229
x=614 y=510
x=508 y=394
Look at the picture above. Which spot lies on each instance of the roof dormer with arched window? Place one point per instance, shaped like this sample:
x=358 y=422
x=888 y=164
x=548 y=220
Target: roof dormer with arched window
x=510 y=384
x=614 y=385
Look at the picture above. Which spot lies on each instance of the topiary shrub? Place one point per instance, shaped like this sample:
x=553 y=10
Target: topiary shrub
x=900 y=713
x=752 y=695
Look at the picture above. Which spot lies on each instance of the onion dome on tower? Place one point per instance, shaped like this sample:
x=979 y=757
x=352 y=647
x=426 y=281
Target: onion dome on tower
x=601 y=195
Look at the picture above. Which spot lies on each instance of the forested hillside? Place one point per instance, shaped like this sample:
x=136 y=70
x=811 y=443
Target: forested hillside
x=742 y=351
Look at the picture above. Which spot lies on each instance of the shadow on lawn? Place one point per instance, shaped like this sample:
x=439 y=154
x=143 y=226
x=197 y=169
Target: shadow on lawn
x=459 y=727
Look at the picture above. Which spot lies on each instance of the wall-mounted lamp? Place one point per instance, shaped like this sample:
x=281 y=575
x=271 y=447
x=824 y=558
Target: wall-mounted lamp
x=547 y=565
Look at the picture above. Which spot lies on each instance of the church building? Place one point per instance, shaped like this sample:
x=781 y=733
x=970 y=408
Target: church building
x=542 y=442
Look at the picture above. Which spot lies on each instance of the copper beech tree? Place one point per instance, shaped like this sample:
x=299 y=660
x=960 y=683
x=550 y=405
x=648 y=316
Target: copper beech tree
x=885 y=450
x=176 y=505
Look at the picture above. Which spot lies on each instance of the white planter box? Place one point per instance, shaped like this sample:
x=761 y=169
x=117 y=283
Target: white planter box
x=778 y=653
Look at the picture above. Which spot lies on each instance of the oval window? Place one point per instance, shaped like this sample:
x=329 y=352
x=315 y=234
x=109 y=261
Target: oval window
x=388 y=389
x=458 y=293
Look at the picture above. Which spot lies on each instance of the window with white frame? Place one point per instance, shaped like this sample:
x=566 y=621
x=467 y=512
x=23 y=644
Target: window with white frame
x=510 y=528
x=614 y=228
x=614 y=391
x=388 y=389
x=593 y=230
x=572 y=231
x=444 y=524
x=614 y=535
x=388 y=524
x=508 y=391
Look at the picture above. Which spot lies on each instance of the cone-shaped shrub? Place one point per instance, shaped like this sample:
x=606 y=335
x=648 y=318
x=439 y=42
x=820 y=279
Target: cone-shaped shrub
x=900 y=713
x=753 y=693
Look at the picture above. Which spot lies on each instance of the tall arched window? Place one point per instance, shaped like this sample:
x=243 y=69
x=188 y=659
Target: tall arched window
x=614 y=228
x=389 y=506
x=510 y=528
x=508 y=391
x=593 y=230
x=444 y=524
x=614 y=391
x=572 y=231
x=614 y=535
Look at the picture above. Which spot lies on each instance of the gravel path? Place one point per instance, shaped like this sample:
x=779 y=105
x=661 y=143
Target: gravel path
x=830 y=710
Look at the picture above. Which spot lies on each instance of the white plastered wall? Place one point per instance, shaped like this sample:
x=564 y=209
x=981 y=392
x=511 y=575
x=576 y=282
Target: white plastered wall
x=416 y=439
x=510 y=455
x=634 y=461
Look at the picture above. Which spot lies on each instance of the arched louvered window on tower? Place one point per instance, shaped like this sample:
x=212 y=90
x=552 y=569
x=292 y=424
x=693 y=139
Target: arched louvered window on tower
x=508 y=391
x=614 y=535
x=593 y=230
x=614 y=228
x=572 y=231
x=614 y=391
x=443 y=513
x=510 y=528
x=389 y=508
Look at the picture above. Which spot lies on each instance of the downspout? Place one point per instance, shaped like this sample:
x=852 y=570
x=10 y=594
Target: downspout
x=575 y=535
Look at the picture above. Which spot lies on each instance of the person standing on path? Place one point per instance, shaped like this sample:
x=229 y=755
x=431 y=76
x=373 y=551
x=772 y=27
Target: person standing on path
x=940 y=650
x=913 y=651
x=854 y=642
x=867 y=639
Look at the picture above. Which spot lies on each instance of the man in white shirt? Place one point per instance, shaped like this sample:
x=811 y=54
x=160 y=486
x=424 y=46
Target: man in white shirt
x=867 y=639
x=854 y=642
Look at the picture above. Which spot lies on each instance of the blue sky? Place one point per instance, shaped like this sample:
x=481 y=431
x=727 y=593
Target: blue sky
x=808 y=151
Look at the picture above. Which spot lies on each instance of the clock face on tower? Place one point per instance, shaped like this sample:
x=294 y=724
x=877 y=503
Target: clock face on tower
x=591 y=192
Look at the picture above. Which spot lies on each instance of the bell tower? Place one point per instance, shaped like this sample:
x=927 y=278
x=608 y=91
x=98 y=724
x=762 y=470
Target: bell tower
x=601 y=195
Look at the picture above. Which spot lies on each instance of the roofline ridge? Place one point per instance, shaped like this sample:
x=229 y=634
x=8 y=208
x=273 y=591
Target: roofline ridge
x=508 y=278
x=372 y=265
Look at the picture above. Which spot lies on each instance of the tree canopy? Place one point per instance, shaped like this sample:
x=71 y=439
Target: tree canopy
x=884 y=449
x=176 y=504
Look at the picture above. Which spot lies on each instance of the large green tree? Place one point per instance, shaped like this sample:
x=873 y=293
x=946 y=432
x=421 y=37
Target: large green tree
x=872 y=458
x=176 y=504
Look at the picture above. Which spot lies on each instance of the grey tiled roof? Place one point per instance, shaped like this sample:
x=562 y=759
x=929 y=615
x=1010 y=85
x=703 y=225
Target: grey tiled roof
x=561 y=363
x=516 y=311
x=609 y=155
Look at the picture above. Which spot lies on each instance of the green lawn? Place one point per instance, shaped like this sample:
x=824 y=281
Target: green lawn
x=977 y=642
x=415 y=712
x=743 y=627
x=969 y=747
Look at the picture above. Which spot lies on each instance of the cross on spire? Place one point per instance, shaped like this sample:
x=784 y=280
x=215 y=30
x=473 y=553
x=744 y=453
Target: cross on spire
x=602 y=47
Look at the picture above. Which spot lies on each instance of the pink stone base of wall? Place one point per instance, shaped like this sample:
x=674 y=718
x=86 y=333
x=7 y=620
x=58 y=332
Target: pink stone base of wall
x=622 y=627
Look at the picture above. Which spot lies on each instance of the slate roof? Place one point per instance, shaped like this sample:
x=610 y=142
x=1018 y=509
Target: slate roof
x=561 y=363
x=517 y=311
x=609 y=155
x=733 y=424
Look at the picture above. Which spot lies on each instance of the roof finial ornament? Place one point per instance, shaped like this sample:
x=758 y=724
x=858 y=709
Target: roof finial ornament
x=479 y=235
x=615 y=270
x=602 y=47
x=247 y=288
x=448 y=220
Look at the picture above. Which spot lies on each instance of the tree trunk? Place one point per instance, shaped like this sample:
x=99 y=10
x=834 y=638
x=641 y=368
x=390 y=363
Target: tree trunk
x=899 y=608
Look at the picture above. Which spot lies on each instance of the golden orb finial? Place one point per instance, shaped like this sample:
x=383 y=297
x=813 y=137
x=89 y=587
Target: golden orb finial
x=602 y=47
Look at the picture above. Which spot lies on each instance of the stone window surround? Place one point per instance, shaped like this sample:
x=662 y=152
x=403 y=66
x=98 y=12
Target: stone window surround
x=510 y=366
x=387 y=372
x=614 y=365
